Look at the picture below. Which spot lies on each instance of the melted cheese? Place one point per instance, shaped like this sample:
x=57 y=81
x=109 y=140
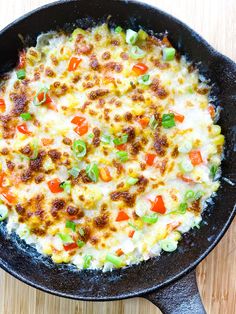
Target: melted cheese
x=105 y=90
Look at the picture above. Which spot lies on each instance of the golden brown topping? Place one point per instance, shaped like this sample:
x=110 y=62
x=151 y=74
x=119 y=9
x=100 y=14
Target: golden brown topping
x=54 y=154
x=10 y=165
x=96 y=138
x=124 y=56
x=49 y=72
x=20 y=209
x=39 y=178
x=131 y=133
x=94 y=64
x=26 y=150
x=160 y=143
x=106 y=55
x=58 y=89
x=135 y=148
x=97 y=93
x=126 y=197
x=20 y=103
x=67 y=141
x=57 y=205
x=159 y=91
x=5 y=151
x=101 y=221
x=26 y=175
x=113 y=66
x=128 y=116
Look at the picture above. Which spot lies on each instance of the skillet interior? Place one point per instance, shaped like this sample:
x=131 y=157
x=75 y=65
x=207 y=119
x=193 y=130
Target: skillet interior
x=23 y=261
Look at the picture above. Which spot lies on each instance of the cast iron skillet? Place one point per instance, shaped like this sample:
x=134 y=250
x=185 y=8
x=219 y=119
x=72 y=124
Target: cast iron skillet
x=167 y=281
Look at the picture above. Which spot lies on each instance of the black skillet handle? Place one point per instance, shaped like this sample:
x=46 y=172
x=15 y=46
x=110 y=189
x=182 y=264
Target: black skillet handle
x=181 y=297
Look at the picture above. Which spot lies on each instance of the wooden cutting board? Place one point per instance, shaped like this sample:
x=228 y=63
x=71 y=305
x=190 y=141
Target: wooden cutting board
x=215 y=21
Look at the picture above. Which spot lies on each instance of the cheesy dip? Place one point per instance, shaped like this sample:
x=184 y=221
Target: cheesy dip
x=108 y=148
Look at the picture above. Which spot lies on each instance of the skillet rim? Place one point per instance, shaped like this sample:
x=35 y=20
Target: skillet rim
x=217 y=56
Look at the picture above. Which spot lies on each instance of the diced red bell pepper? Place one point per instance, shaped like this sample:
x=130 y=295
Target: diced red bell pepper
x=70 y=246
x=78 y=120
x=122 y=216
x=105 y=174
x=143 y=122
x=121 y=147
x=195 y=157
x=158 y=205
x=183 y=178
x=2 y=176
x=140 y=68
x=41 y=96
x=131 y=233
x=54 y=186
x=119 y=252
x=150 y=159
x=82 y=129
x=22 y=128
x=74 y=63
x=178 y=117
x=2 y=105
x=6 y=193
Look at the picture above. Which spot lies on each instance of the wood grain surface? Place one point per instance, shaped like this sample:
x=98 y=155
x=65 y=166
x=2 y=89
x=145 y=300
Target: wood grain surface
x=215 y=21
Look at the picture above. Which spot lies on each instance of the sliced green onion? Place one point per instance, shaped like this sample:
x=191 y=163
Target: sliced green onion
x=21 y=74
x=185 y=147
x=213 y=171
x=132 y=181
x=182 y=208
x=131 y=36
x=122 y=155
x=87 y=261
x=150 y=219
x=115 y=260
x=168 y=245
x=26 y=116
x=91 y=135
x=121 y=140
x=43 y=90
x=74 y=172
x=118 y=29
x=79 y=148
x=144 y=79
x=137 y=53
x=80 y=243
x=196 y=224
x=153 y=123
x=92 y=172
x=189 y=195
x=35 y=145
x=198 y=195
x=168 y=120
x=66 y=185
x=81 y=231
x=3 y=212
x=142 y=35
x=190 y=89
x=168 y=54
x=133 y=226
x=66 y=238
x=186 y=165
x=71 y=225
x=106 y=139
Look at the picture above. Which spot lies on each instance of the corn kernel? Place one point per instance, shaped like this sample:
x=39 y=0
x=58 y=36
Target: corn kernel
x=218 y=140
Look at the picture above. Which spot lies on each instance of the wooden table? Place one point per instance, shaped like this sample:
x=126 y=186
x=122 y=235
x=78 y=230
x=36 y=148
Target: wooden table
x=215 y=21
